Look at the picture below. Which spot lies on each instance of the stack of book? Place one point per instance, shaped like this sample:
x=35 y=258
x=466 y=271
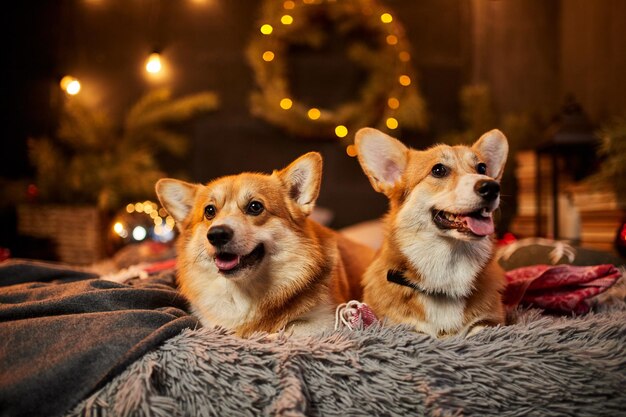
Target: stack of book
x=601 y=214
x=525 y=222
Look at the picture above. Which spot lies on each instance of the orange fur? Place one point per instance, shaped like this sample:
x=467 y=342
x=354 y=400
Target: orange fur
x=306 y=270
x=426 y=254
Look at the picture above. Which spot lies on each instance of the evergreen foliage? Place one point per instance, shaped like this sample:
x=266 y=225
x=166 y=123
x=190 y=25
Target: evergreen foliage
x=93 y=161
x=613 y=150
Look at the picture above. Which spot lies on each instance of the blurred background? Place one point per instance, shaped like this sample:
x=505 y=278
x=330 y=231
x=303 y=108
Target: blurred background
x=102 y=97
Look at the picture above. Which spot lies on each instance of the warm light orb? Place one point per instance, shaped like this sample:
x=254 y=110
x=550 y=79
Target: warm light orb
x=118 y=228
x=286 y=19
x=404 y=56
x=70 y=85
x=130 y=208
x=314 y=113
x=351 y=151
x=404 y=80
x=73 y=88
x=268 y=56
x=341 y=131
x=392 y=123
x=393 y=103
x=392 y=39
x=386 y=18
x=286 y=104
x=288 y=5
x=267 y=29
x=153 y=64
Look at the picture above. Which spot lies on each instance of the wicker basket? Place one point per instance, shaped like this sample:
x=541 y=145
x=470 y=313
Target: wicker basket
x=76 y=231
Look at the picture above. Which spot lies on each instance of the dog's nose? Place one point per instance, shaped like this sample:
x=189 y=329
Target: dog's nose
x=220 y=235
x=487 y=189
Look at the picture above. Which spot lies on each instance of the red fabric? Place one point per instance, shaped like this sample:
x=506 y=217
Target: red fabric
x=363 y=315
x=560 y=288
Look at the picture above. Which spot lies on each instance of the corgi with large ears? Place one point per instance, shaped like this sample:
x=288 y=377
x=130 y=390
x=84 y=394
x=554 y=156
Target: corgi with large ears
x=435 y=270
x=251 y=260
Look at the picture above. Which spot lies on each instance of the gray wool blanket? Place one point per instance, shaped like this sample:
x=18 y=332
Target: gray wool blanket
x=541 y=365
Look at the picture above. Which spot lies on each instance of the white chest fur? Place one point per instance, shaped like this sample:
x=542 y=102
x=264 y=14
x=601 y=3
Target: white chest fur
x=217 y=301
x=443 y=315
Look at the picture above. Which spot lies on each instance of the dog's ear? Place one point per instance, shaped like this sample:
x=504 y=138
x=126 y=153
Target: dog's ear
x=494 y=149
x=382 y=158
x=177 y=197
x=303 y=178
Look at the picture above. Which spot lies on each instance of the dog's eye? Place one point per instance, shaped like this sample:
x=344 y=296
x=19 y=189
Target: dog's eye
x=481 y=168
x=254 y=208
x=439 y=171
x=210 y=211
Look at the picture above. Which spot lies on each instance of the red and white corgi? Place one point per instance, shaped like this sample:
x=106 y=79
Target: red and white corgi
x=250 y=259
x=435 y=270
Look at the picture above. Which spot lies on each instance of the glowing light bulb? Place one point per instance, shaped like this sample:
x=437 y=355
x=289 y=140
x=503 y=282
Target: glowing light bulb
x=288 y=5
x=392 y=123
x=314 y=113
x=351 y=151
x=404 y=56
x=341 y=131
x=386 y=18
x=404 y=80
x=266 y=29
x=153 y=64
x=286 y=19
x=286 y=104
x=268 y=56
x=130 y=208
x=392 y=39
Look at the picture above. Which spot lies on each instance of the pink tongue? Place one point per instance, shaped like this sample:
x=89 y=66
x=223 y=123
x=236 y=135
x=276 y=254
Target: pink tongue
x=480 y=227
x=227 y=263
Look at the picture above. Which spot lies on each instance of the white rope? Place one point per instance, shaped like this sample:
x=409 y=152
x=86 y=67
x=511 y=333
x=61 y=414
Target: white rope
x=346 y=311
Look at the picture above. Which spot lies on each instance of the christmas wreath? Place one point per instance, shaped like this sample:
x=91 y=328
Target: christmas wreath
x=388 y=99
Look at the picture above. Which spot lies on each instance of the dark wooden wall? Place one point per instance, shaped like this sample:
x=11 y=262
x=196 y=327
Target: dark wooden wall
x=531 y=52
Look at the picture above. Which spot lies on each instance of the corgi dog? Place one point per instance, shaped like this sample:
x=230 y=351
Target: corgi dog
x=251 y=260
x=435 y=270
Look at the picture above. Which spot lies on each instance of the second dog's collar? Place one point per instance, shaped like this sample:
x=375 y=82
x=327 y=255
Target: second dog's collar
x=397 y=277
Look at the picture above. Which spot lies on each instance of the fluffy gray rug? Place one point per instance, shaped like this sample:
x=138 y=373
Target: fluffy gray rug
x=542 y=365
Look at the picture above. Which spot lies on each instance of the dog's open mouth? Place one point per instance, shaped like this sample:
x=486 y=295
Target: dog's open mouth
x=229 y=263
x=478 y=223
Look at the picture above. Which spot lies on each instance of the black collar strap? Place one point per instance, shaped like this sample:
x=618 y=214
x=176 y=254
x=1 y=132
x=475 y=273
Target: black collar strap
x=397 y=277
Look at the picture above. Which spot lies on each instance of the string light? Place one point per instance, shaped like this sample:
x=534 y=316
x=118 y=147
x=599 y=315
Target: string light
x=70 y=85
x=286 y=104
x=153 y=63
x=267 y=29
x=392 y=39
x=386 y=18
x=289 y=5
x=286 y=19
x=392 y=123
x=393 y=103
x=351 y=151
x=404 y=56
x=314 y=113
x=341 y=131
x=404 y=80
x=268 y=56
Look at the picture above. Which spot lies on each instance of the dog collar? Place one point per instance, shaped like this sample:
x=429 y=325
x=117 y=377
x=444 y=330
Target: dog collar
x=397 y=277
